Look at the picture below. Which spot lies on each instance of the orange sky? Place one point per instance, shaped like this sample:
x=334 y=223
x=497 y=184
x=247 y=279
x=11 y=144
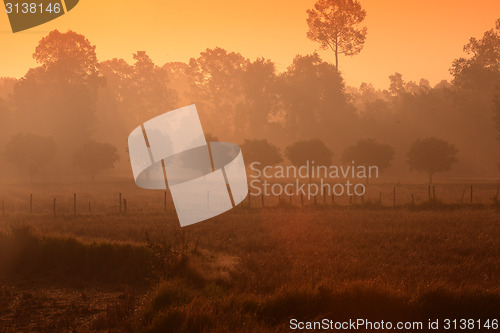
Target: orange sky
x=418 y=38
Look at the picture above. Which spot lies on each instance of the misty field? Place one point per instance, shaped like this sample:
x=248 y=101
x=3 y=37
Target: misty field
x=248 y=270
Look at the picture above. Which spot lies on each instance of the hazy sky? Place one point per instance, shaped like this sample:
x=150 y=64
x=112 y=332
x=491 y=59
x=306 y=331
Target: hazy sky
x=418 y=38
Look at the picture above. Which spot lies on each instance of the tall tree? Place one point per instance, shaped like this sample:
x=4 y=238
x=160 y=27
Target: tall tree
x=335 y=25
x=60 y=95
x=397 y=85
x=431 y=155
x=114 y=117
x=481 y=70
x=178 y=80
x=216 y=87
x=260 y=99
x=117 y=77
x=149 y=94
x=476 y=76
x=313 y=96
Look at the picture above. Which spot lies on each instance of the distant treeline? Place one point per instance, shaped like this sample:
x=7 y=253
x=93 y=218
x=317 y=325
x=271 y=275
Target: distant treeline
x=77 y=100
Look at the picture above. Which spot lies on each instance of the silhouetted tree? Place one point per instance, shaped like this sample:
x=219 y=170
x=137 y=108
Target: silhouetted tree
x=117 y=77
x=482 y=69
x=260 y=100
x=368 y=152
x=475 y=77
x=431 y=155
x=94 y=157
x=397 y=85
x=216 y=87
x=30 y=152
x=60 y=95
x=313 y=150
x=260 y=151
x=176 y=73
x=149 y=94
x=313 y=97
x=335 y=25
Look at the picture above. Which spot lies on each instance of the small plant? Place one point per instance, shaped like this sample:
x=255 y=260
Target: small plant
x=171 y=253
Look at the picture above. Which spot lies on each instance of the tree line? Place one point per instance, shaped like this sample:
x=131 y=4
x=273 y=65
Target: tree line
x=85 y=108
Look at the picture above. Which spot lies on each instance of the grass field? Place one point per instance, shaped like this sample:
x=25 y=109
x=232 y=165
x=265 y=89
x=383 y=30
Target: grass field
x=250 y=269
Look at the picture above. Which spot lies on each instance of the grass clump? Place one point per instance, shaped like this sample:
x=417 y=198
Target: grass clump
x=24 y=253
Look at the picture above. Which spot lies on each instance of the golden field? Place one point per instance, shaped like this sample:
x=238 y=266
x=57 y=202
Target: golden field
x=248 y=270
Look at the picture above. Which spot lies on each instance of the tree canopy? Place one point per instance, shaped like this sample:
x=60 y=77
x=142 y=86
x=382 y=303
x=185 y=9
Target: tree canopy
x=261 y=151
x=368 y=152
x=431 y=155
x=335 y=25
x=303 y=151
x=481 y=69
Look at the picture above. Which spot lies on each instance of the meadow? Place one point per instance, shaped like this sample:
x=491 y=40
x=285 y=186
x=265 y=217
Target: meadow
x=251 y=269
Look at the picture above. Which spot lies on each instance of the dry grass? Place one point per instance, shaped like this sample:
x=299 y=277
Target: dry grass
x=250 y=270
